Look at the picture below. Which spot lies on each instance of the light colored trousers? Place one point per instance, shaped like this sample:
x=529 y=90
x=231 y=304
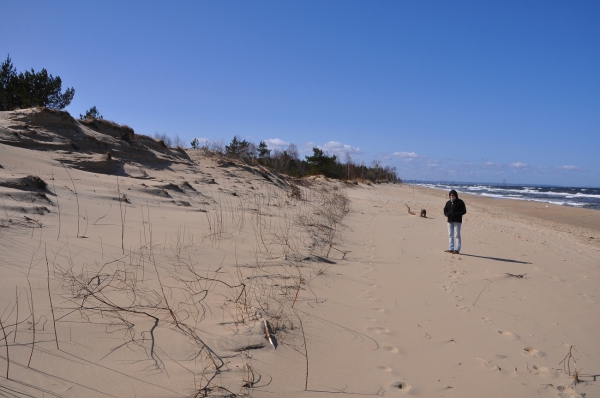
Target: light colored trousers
x=454 y=236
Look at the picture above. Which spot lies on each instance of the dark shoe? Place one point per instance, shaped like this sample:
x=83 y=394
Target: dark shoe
x=455 y=252
x=448 y=251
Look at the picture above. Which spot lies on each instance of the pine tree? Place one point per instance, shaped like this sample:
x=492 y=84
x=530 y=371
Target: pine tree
x=8 y=79
x=91 y=113
x=30 y=88
x=263 y=151
x=320 y=163
x=237 y=147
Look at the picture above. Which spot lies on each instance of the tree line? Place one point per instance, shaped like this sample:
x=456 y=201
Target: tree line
x=288 y=161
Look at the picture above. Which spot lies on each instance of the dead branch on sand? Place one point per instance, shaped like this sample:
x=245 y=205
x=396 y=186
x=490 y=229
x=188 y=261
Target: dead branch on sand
x=516 y=275
x=566 y=362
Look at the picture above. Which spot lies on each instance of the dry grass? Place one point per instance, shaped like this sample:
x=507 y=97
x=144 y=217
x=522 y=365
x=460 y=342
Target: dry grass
x=123 y=131
x=167 y=287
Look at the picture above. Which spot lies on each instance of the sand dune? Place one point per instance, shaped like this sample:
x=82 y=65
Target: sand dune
x=154 y=272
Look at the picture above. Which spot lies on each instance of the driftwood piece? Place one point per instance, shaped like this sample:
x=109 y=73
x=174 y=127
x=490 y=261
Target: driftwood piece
x=410 y=212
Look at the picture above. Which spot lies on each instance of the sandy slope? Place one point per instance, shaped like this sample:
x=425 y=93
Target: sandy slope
x=162 y=266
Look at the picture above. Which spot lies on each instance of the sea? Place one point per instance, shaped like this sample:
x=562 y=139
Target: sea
x=588 y=198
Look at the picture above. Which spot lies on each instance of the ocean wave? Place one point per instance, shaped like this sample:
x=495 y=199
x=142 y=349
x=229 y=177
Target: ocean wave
x=556 y=202
x=582 y=195
x=575 y=197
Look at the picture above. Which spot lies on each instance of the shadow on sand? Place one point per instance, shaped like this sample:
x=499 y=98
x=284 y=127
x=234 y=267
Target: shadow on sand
x=507 y=260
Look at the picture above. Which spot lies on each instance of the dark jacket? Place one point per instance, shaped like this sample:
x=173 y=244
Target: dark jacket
x=455 y=210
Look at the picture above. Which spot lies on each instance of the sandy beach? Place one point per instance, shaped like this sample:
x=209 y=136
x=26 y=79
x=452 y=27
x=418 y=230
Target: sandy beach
x=130 y=269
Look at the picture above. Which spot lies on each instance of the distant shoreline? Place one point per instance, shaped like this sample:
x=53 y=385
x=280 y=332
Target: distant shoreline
x=495 y=184
x=585 y=198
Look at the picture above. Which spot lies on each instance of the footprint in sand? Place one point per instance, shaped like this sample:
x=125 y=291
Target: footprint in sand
x=544 y=371
x=379 y=330
x=401 y=386
x=509 y=335
x=371 y=319
x=533 y=352
x=384 y=368
x=391 y=348
x=566 y=391
x=447 y=289
x=462 y=308
x=486 y=320
x=371 y=298
x=458 y=298
x=490 y=365
x=378 y=309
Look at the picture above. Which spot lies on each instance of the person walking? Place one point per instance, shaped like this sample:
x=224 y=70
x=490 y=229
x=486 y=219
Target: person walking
x=454 y=210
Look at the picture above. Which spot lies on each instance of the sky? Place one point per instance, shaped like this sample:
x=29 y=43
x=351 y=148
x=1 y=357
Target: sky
x=478 y=91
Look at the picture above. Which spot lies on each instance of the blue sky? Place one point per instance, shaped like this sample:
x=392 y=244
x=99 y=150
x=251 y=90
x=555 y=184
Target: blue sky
x=465 y=91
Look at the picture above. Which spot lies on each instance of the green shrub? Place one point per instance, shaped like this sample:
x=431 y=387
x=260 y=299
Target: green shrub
x=30 y=88
x=91 y=113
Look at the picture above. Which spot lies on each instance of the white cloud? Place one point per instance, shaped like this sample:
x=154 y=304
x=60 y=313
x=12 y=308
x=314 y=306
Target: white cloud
x=518 y=165
x=276 y=143
x=337 y=148
x=406 y=155
x=571 y=168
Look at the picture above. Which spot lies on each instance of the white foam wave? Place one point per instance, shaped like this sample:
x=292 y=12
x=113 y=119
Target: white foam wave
x=532 y=194
x=582 y=195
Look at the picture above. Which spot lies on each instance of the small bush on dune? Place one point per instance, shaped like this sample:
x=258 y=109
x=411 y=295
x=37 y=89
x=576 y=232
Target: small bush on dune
x=91 y=113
